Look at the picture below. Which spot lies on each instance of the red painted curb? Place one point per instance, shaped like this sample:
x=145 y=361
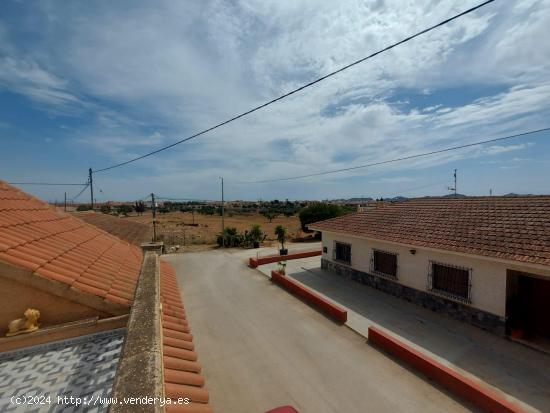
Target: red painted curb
x=457 y=383
x=254 y=262
x=332 y=310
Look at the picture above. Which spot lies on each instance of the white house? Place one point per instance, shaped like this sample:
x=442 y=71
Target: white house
x=485 y=260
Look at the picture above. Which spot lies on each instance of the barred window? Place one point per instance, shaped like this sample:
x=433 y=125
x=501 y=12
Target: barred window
x=385 y=263
x=342 y=252
x=451 y=281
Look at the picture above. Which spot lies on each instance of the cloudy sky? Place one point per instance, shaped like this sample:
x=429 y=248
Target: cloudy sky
x=92 y=83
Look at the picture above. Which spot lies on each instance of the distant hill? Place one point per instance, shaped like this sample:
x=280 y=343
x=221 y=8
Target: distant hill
x=455 y=196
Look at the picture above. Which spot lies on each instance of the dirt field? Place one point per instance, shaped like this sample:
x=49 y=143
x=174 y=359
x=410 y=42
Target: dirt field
x=131 y=231
x=175 y=227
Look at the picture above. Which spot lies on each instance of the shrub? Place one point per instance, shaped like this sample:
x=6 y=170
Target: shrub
x=106 y=209
x=83 y=208
x=230 y=238
x=319 y=211
x=255 y=235
x=124 y=209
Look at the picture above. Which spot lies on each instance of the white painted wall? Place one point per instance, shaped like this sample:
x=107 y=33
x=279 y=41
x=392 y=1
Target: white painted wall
x=488 y=276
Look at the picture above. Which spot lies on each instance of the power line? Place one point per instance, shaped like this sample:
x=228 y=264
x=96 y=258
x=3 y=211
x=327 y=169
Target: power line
x=403 y=191
x=45 y=184
x=333 y=171
x=299 y=89
x=163 y=198
x=81 y=192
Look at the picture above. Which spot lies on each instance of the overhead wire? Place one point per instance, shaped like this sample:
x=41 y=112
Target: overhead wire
x=46 y=184
x=320 y=79
x=403 y=158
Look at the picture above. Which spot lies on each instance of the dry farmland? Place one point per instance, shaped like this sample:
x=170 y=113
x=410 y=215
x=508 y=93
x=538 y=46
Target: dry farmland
x=176 y=227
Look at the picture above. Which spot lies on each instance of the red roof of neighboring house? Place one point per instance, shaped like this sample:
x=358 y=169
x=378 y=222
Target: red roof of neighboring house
x=182 y=376
x=55 y=245
x=513 y=228
x=58 y=246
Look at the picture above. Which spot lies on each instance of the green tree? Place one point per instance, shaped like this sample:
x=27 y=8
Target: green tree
x=281 y=233
x=319 y=211
x=139 y=206
x=269 y=214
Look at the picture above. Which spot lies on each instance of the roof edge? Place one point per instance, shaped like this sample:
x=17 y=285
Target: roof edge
x=533 y=265
x=29 y=278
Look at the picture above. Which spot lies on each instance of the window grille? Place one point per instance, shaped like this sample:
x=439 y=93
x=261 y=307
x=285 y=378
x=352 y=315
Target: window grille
x=384 y=263
x=450 y=281
x=342 y=252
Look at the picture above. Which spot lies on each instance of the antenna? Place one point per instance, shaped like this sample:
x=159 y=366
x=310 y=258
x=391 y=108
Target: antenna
x=454 y=188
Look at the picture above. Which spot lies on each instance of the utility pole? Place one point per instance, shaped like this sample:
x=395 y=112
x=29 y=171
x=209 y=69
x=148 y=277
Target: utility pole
x=65 y=202
x=90 y=179
x=223 y=212
x=154 y=207
x=455 y=182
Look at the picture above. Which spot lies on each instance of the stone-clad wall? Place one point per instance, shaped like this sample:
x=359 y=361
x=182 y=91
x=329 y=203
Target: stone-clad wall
x=454 y=309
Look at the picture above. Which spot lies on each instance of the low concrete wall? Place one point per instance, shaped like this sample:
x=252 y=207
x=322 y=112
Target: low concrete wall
x=254 y=262
x=475 y=392
x=334 y=311
x=139 y=373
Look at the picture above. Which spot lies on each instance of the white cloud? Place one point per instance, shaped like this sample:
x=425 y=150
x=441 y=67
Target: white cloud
x=498 y=149
x=173 y=68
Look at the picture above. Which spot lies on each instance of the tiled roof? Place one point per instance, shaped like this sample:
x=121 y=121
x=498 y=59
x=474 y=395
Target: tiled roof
x=182 y=376
x=58 y=246
x=131 y=231
x=513 y=228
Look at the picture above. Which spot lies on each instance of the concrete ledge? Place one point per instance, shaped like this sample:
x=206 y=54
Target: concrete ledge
x=157 y=247
x=254 y=262
x=334 y=311
x=139 y=373
x=475 y=392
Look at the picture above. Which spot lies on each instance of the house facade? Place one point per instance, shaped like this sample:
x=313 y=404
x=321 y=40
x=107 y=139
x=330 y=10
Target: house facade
x=482 y=260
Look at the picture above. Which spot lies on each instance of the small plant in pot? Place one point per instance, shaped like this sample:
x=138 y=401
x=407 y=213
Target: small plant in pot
x=282 y=267
x=256 y=235
x=280 y=231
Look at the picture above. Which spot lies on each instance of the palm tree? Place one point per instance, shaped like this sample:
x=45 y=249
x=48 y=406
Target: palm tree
x=280 y=231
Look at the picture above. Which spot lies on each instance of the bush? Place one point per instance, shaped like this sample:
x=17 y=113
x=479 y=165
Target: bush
x=106 y=209
x=319 y=211
x=230 y=238
x=83 y=208
x=124 y=209
x=255 y=235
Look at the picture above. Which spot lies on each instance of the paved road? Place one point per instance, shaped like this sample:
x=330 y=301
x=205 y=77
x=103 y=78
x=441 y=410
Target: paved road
x=260 y=348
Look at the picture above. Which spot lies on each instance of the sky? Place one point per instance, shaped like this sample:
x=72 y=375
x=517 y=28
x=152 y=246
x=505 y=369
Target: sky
x=88 y=84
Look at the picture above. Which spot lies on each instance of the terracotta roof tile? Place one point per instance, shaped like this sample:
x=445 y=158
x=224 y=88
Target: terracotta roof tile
x=58 y=246
x=181 y=369
x=513 y=228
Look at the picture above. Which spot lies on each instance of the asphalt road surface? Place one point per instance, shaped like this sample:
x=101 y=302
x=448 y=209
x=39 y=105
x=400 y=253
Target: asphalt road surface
x=261 y=348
